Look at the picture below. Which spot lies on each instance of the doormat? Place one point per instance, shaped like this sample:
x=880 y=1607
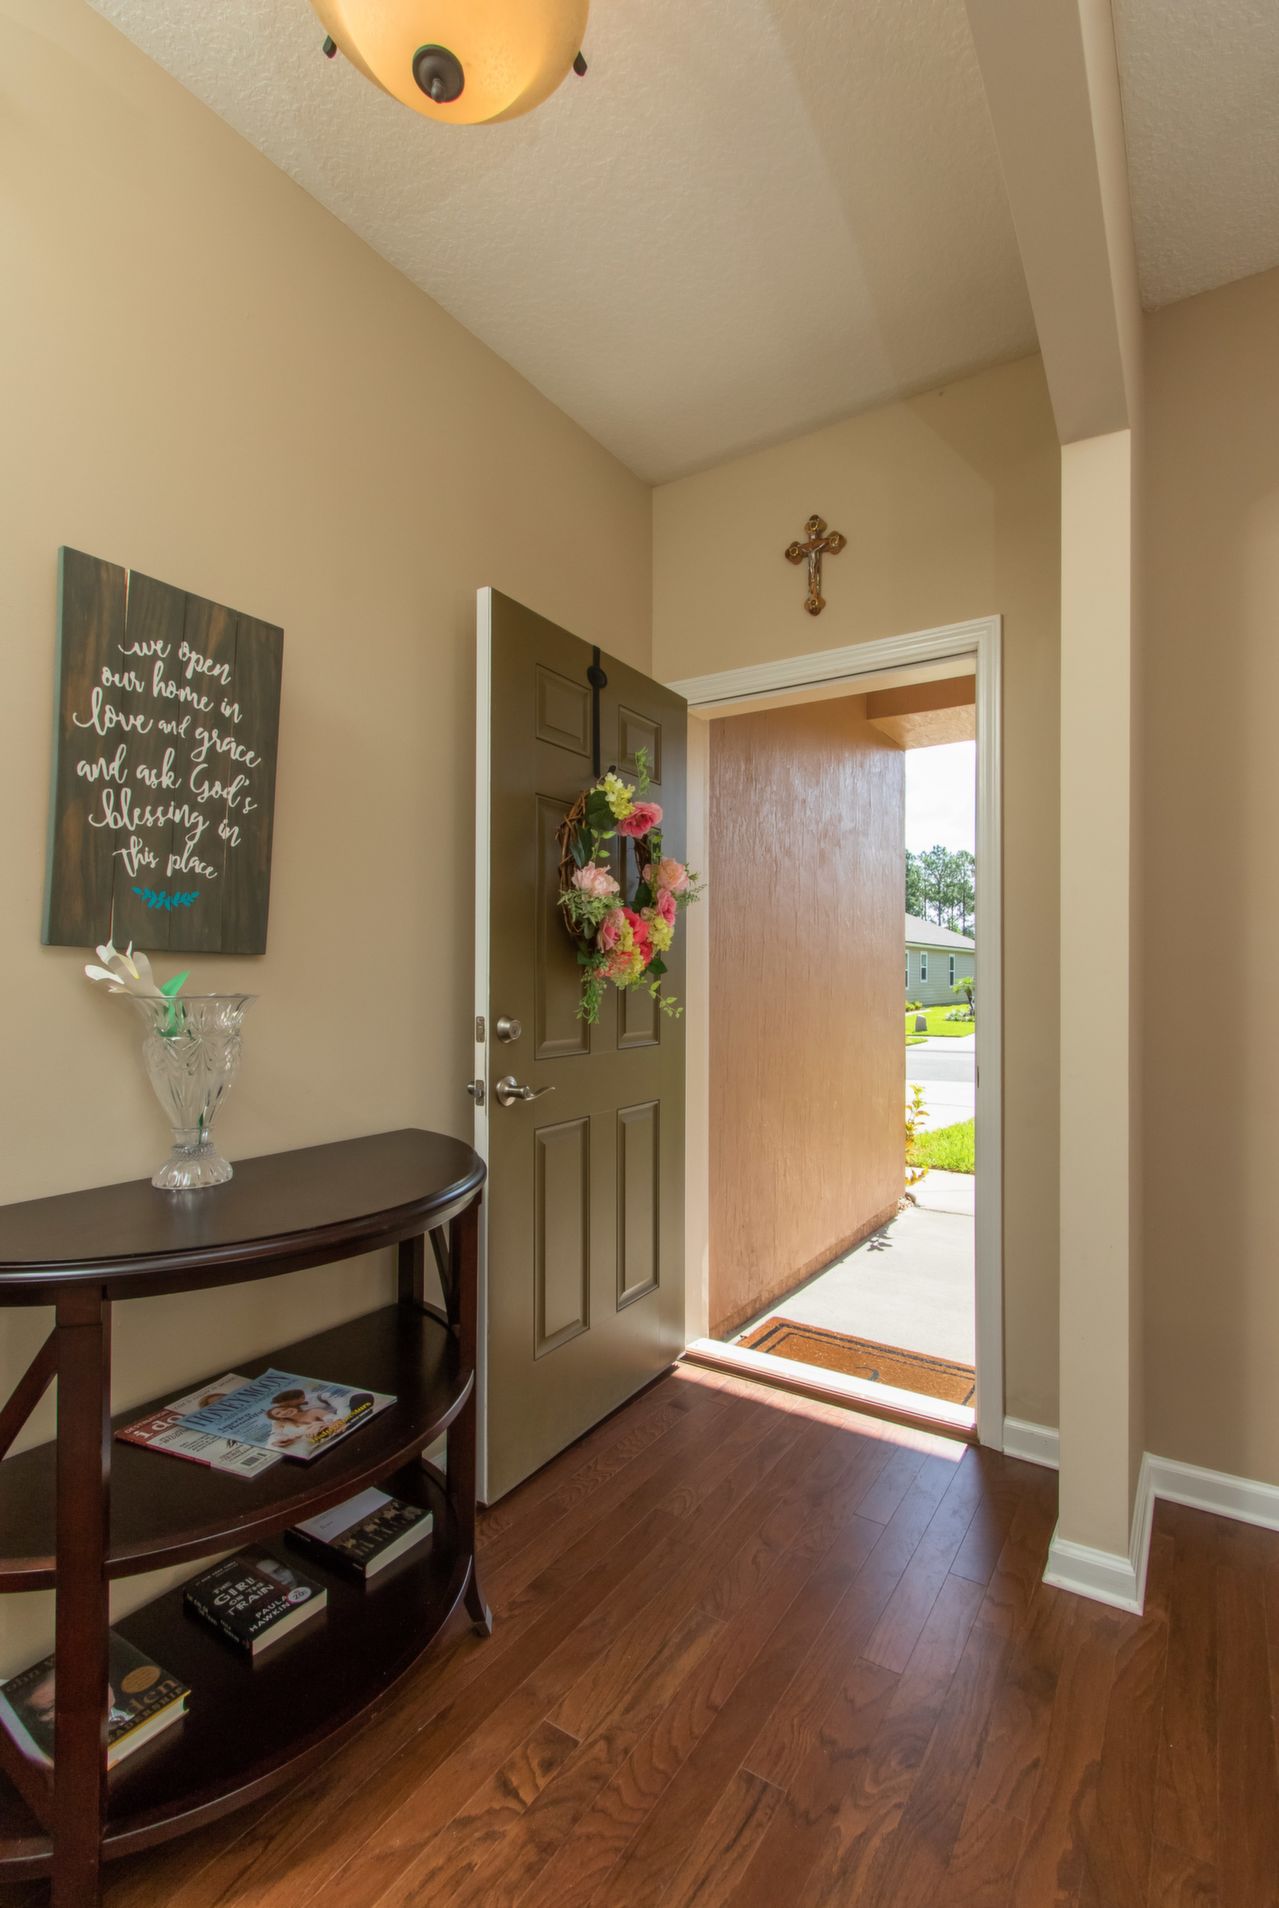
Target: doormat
x=863 y=1358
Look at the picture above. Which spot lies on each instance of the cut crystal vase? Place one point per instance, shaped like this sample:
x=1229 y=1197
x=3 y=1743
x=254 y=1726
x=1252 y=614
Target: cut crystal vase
x=191 y=1050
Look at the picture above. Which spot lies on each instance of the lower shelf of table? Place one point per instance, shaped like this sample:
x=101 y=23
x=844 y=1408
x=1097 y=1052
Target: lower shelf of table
x=253 y=1724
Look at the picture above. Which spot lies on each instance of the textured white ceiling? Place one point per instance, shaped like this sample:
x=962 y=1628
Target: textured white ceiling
x=751 y=217
x=1201 y=115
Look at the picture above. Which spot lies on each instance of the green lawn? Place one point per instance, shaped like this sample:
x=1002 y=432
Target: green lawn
x=938 y=1024
x=950 y=1149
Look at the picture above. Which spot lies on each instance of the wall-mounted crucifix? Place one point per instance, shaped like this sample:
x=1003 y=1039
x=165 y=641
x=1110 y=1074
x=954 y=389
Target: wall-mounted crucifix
x=818 y=542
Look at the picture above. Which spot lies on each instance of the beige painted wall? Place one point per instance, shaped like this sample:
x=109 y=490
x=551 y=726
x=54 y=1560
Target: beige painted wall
x=951 y=506
x=209 y=378
x=1210 y=691
x=807 y=813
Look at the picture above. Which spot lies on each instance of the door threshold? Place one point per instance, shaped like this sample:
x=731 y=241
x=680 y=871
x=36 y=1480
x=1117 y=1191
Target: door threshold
x=911 y=1408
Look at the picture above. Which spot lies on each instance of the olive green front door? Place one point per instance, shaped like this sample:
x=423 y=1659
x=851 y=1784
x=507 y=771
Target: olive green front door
x=585 y=1199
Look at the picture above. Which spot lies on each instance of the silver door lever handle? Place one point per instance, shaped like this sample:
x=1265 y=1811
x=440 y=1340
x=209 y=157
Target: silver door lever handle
x=509 y=1090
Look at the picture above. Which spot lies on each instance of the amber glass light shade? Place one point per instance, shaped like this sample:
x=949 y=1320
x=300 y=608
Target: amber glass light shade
x=508 y=55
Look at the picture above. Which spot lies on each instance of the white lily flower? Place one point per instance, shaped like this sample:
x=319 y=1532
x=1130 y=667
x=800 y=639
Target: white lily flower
x=110 y=954
x=141 y=967
x=125 y=973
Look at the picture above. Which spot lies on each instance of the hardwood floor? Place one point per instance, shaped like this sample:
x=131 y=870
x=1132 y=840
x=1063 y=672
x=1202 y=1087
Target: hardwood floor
x=755 y=1650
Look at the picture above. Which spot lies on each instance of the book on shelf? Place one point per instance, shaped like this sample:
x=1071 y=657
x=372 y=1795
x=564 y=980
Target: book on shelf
x=253 y=1599
x=165 y=1431
x=365 y=1534
x=298 y=1417
x=142 y=1701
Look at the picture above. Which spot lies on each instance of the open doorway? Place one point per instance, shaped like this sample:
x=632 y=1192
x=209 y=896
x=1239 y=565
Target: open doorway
x=842 y=1248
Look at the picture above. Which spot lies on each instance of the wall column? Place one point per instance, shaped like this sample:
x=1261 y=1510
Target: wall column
x=1052 y=85
x=1100 y=1346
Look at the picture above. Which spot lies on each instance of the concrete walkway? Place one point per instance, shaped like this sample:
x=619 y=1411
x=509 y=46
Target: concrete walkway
x=910 y=1284
x=947 y=1192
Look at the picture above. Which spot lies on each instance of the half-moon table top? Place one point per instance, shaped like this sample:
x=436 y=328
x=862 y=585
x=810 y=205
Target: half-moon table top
x=278 y=1213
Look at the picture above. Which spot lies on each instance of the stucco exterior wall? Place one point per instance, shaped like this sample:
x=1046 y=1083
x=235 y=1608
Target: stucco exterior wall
x=807 y=1056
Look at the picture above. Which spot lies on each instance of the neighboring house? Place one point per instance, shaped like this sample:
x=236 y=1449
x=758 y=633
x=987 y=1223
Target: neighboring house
x=936 y=957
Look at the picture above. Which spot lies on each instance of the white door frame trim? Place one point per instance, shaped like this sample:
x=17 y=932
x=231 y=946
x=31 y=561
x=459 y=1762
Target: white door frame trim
x=981 y=640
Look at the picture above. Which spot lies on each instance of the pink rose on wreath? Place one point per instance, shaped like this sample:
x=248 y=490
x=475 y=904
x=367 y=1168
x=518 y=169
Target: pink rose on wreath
x=642 y=820
x=611 y=929
x=595 y=881
x=640 y=934
x=665 y=906
x=668 y=873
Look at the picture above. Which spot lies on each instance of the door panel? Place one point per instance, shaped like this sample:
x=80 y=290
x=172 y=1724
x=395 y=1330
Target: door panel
x=636 y=732
x=563 y=712
x=639 y=1020
x=639 y=1201
x=562 y=1228
x=585 y=1287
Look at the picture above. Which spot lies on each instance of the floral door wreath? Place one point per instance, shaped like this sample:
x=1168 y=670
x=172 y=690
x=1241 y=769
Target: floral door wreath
x=619 y=940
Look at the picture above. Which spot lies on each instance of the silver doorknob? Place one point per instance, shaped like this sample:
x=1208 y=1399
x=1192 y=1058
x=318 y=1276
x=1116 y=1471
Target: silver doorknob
x=508 y=1028
x=509 y=1090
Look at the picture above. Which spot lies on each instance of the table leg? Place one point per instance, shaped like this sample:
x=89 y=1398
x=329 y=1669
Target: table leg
x=410 y=1262
x=83 y=1606
x=464 y=1233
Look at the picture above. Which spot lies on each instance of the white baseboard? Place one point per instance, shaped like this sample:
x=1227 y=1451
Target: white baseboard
x=1242 y=1498
x=1033 y=1443
x=1102 y=1575
x=1105 y=1575
x=1110 y=1578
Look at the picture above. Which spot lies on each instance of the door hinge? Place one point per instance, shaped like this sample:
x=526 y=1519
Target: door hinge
x=479 y=1029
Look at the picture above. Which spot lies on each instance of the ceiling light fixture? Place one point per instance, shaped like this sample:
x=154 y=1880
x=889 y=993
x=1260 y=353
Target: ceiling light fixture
x=465 y=62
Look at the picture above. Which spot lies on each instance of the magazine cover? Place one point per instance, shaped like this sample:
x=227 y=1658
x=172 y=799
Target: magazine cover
x=299 y=1417
x=165 y=1431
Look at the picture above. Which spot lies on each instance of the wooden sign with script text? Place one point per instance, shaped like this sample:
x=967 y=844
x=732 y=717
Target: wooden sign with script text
x=168 y=714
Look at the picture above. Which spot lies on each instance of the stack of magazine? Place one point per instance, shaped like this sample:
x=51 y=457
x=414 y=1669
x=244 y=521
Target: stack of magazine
x=245 y=1425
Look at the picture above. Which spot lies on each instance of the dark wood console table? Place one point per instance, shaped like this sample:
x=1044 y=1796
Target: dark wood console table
x=83 y=1510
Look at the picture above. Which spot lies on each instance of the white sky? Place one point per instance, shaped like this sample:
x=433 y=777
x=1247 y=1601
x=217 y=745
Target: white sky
x=941 y=797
